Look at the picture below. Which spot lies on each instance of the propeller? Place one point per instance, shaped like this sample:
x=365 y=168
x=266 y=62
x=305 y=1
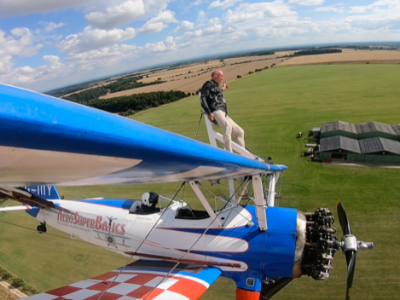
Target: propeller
x=350 y=246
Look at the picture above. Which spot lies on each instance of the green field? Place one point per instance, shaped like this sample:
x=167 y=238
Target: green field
x=272 y=106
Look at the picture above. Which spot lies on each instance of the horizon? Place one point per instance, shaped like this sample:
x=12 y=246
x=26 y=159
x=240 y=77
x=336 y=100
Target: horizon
x=48 y=45
x=218 y=55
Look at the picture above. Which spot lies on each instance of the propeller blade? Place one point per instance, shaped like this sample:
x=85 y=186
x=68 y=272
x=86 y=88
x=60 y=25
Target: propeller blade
x=344 y=222
x=351 y=265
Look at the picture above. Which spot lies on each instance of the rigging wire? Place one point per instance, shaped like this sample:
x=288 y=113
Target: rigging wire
x=229 y=200
x=115 y=277
x=151 y=230
x=186 y=253
x=198 y=126
x=166 y=208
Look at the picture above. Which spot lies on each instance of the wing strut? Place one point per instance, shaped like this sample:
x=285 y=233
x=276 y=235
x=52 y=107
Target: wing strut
x=205 y=203
x=259 y=202
x=271 y=190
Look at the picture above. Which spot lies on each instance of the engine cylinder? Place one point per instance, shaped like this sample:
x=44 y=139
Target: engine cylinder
x=316 y=244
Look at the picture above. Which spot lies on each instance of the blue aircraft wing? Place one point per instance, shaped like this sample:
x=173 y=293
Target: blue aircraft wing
x=45 y=140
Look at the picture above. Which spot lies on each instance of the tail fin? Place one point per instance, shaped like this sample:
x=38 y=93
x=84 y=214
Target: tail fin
x=44 y=191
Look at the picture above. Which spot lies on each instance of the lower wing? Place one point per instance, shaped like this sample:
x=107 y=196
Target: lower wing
x=141 y=280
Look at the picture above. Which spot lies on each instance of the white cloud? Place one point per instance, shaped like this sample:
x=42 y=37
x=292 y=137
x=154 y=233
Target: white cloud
x=25 y=75
x=93 y=38
x=158 y=23
x=358 y=9
x=307 y=2
x=105 y=52
x=6 y=64
x=105 y=57
x=50 y=26
x=377 y=7
x=228 y=29
x=21 y=43
x=201 y=17
x=374 y=23
x=196 y=34
x=258 y=11
x=223 y=4
x=123 y=12
x=153 y=7
x=196 y=3
x=166 y=16
x=117 y=15
x=152 y=27
x=185 y=45
x=214 y=21
x=215 y=29
x=201 y=33
x=185 y=25
x=79 y=65
x=168 y=44
x=332 y=8
x=21 y=7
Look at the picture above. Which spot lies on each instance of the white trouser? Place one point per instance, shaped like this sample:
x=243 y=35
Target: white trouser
x=229 y=127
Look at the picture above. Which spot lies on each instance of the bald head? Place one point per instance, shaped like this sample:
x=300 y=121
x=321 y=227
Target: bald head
x=217 y=76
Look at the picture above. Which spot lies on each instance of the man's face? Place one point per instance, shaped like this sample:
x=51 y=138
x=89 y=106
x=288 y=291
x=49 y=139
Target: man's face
x=218 y=77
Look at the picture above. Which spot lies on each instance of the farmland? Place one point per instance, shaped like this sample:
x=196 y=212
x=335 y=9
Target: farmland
x=347 y=56
x=190 y=78
x=272 y=106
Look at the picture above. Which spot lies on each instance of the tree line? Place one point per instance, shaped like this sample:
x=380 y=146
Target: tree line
x=127 y=105
x=316 y=51
x=121 y=84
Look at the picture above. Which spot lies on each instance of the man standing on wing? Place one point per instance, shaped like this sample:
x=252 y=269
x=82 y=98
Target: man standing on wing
x=214 y=104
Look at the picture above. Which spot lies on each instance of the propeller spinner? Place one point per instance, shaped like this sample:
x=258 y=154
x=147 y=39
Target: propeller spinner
x=349 y=246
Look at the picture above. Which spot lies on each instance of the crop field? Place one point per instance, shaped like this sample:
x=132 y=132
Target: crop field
x=190 y=79
x=193 y=68
x=272 y=106
x=347 y=56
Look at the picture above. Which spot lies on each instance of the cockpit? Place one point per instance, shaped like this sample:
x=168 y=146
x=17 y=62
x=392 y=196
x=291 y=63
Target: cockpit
x=147 y=206
x=186 y=212
x=150 y=204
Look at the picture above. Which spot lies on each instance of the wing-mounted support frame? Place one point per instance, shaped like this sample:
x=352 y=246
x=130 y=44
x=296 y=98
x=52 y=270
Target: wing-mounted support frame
x=261 y=200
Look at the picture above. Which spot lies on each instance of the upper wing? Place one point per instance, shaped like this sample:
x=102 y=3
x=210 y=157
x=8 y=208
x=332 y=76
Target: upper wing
x=47 y=140
x=140 y=280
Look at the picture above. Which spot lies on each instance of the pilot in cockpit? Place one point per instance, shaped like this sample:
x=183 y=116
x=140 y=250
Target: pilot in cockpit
x=149 y=202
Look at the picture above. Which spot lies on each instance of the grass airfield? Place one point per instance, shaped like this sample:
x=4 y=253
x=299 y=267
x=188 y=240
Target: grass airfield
x=272 y=106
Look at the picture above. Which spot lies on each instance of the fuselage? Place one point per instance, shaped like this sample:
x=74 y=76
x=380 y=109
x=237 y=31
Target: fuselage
x=176 y=231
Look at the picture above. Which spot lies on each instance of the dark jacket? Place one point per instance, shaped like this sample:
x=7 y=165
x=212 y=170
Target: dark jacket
x=212 y=98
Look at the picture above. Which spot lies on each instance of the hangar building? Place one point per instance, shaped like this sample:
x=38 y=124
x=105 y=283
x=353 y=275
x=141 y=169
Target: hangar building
x=370 y=142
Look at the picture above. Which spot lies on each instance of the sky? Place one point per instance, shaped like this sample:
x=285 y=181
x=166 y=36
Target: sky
x=46 y=44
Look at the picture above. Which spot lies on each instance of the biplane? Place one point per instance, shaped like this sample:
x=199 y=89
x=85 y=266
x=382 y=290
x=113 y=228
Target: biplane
x=179 y=251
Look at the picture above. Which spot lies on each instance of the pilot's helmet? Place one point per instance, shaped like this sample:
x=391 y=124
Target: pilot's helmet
x=150 y=199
